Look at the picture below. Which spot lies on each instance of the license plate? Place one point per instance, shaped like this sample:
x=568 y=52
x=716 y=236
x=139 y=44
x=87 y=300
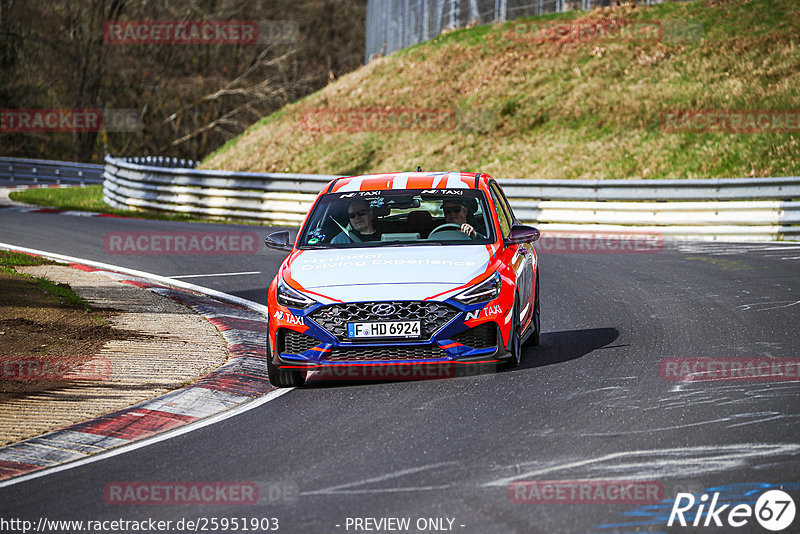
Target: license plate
x=384 y=329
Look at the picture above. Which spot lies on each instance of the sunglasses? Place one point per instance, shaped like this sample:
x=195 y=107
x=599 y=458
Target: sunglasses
x=359 y=213
x=454 y=209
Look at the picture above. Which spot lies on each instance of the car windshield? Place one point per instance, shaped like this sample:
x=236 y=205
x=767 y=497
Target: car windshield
x=399 y=217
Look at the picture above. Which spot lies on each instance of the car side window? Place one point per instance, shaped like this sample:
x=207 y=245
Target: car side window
x=502 y=213
x=506 y=203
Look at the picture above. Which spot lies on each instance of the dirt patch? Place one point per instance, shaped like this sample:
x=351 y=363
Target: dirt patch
x=42 y=336
x=70 y=360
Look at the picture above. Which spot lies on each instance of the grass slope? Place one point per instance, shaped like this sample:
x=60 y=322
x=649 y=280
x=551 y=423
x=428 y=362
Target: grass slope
x=589 y=109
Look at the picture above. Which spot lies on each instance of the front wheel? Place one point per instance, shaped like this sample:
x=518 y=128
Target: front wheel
x=514 y=344
x=283 y=378
x=533 y=339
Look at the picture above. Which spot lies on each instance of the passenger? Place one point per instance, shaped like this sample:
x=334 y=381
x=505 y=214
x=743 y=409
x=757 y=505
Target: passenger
x=362 y=224
x=455 y=212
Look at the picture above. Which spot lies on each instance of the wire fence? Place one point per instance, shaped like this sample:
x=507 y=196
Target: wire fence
x=396 y=24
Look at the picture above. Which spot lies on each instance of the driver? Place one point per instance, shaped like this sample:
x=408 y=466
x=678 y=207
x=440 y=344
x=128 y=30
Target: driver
x=362 y=222
x=455 y=212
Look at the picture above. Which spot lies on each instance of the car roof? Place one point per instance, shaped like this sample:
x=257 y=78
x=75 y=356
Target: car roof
x=406 y=180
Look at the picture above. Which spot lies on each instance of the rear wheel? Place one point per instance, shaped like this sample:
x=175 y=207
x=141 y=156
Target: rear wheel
x=283 y=378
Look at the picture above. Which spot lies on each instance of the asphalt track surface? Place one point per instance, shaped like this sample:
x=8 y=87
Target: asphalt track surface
x=588 y=403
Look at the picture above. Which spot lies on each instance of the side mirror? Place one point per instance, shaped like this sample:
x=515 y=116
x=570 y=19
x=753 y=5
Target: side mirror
x=279 y=241
x=521 y=234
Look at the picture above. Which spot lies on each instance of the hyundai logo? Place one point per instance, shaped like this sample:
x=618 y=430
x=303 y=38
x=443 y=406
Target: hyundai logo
x=382 y=310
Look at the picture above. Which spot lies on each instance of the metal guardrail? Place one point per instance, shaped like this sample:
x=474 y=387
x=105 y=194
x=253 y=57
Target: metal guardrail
x=36 y=171
x=716 y=189
x=270 y=198
x=163 y=161
x=712 y=220
x=746 y=209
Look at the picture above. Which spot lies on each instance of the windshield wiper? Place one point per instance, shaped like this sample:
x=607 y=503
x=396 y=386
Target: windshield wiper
x=408 y=243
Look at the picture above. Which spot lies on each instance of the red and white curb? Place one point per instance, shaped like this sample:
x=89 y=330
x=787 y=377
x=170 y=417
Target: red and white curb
x=238 y=385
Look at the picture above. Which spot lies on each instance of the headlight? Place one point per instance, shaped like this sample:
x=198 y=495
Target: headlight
x=482 y=292
x=291 y=297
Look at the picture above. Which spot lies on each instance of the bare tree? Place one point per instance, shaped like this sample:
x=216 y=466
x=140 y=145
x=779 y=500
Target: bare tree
x=189 y=98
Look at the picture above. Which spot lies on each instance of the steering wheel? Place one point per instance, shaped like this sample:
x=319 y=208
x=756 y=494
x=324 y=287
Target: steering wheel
x=445 y=226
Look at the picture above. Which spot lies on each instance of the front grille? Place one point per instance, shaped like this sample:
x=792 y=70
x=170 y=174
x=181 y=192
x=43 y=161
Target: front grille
x=334 y=318
x=292 y=342
x=482 y=336
x=361 y=354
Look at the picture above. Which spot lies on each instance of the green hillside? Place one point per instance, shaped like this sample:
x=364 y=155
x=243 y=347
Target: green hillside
x=536 y=99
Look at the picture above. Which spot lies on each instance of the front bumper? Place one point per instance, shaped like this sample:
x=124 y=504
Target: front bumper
x=456 y=338
x=479 y=344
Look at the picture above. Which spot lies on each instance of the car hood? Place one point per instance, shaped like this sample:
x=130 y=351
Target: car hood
x=386 y=273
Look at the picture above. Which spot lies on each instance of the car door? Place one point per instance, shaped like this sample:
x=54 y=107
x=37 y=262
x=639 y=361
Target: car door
x=523 y=258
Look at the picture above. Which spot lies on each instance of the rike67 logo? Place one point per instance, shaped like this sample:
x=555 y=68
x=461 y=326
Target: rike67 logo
x=774 y=510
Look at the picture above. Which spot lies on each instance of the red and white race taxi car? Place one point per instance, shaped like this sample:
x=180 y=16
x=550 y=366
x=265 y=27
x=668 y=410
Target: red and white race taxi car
x=410 y=268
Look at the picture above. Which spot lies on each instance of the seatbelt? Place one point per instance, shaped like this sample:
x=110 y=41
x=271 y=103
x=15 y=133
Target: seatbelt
x=354 y=238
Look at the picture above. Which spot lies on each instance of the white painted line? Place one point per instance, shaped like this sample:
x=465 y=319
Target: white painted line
x=74 y=213
x=212 y=274
x=343 y=488
x=782 y=305
x=191 y=427
x=259 y=308
x=685 y=461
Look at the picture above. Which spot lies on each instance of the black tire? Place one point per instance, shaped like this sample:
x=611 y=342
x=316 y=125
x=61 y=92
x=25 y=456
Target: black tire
x=514 y=344
x=533 y=339
x=283 y=378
